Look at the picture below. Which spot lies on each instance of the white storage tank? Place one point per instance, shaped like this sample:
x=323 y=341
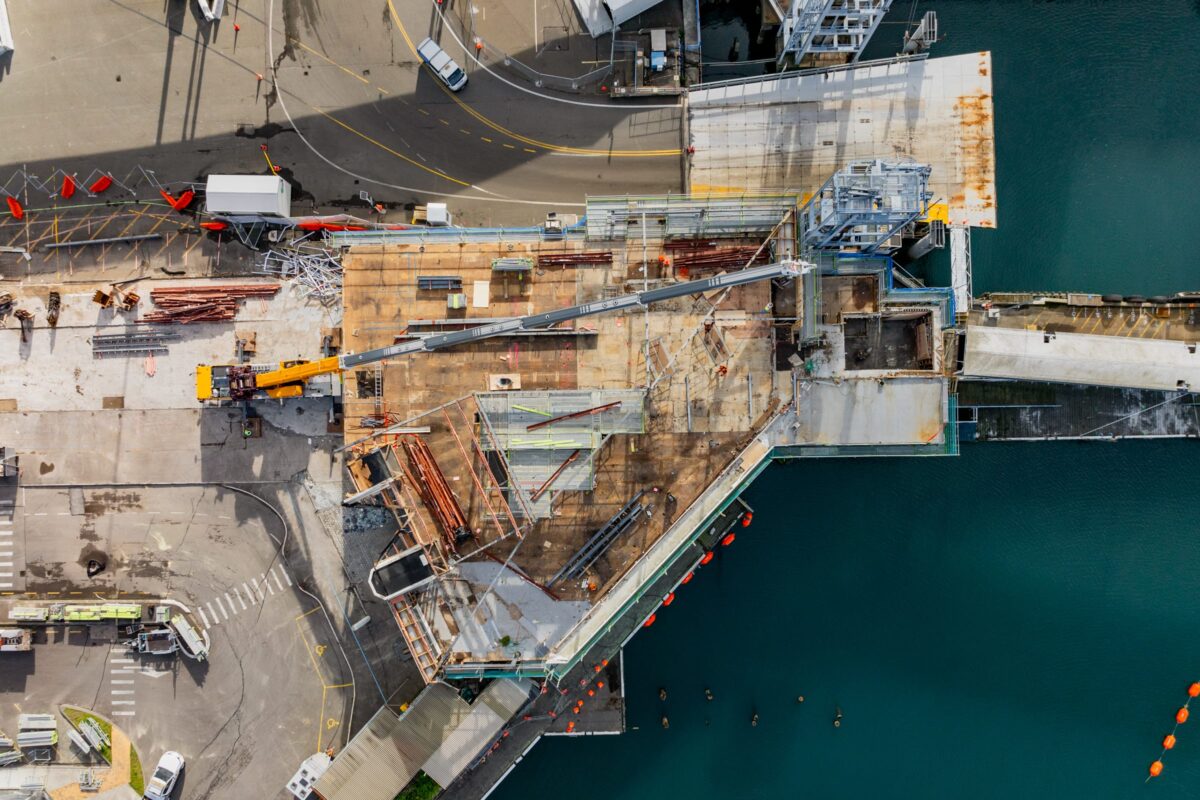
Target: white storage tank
x=248 y=196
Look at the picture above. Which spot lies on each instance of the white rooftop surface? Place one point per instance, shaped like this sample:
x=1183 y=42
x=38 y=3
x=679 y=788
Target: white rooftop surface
x=792 y=133
x=514 y=608
x=900 y=411
x=499 y=701
x=1080 y=358
x=597 y=20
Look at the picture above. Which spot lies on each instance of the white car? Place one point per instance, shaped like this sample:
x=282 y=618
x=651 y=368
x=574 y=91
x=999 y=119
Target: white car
x=165 y=776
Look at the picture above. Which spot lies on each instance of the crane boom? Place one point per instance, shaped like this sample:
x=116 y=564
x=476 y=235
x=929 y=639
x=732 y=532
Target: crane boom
x=241 y=383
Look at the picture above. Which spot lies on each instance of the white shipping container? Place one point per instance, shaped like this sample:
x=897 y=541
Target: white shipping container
x=248 y=195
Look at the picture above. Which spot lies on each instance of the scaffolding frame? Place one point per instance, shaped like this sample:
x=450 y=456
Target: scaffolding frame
x=830 y=26
x=864 y=204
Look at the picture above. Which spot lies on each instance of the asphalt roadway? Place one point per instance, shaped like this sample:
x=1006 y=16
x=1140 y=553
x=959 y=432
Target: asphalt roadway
x=275 y=688
x=343 y=105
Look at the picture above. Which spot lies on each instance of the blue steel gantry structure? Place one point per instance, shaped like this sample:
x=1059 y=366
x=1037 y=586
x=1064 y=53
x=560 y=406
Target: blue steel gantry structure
x=864 y=204
x=830 y=26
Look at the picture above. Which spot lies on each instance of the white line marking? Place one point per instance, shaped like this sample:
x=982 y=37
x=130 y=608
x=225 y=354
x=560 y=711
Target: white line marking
x=285 y=575
x=213 y=614
x=266 y=583
x=63 y=514
x=278 y=582
x=123 y=661
x=122 y=682
x=238 y=593
x=249 y=591
x=6 y=574
x=5 y=585
x=122 y=691
x=5 y=563
x=203 y=618
x=224 y=613
x=124 y=713
x=39 y=514
x=232 y=607
x=122 y=671
x=224 y=516
x=5 y=533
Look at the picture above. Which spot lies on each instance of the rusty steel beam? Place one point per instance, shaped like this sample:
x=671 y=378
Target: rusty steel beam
x=542 y=489
x=585 y=413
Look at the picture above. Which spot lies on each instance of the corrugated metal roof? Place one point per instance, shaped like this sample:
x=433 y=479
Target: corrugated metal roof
x=499 y=701
x=1080 y=358
x=390 y=750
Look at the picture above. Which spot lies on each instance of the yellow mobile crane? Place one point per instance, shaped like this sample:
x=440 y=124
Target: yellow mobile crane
x=233 y=383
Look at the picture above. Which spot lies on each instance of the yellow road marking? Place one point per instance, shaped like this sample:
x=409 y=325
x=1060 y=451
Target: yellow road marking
x=423 y=111
x=383 y=146
x=518 y=137
x=199 y=239
x=509 y=146
x=324 y=57
x=464 y=130
x=529 y=150
x=443 y=122
x=486 y=139
x=340 y=686
x=311 y=657
x=310 y=611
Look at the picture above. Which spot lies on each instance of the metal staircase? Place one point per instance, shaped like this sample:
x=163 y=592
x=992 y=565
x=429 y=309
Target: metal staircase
x=416 y=635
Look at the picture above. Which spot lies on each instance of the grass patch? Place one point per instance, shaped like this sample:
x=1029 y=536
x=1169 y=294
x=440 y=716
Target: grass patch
x=76 y=716
x=421 y=787
x=136 y=779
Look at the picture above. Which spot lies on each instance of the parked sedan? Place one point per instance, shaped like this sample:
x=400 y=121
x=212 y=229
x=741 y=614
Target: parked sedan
x=165 y=776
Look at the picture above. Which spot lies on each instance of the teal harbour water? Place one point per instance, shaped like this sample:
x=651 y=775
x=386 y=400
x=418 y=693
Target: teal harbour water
x=1020 y=621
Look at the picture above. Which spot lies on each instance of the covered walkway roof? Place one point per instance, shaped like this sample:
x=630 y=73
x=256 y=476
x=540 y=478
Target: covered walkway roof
x=1080 y=358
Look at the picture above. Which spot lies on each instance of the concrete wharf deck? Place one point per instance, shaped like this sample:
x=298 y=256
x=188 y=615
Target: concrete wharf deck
x=793 y=131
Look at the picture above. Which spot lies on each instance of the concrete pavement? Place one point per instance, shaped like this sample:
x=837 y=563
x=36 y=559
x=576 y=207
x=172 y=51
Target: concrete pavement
x=349 y=110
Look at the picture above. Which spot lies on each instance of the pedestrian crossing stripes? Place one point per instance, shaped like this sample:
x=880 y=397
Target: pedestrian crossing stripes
x=241 y=598
x=120 y=698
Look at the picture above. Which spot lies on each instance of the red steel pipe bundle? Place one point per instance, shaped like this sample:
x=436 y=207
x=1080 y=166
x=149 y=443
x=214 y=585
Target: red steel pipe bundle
x=571 y=259
x=185 y=304
x=431 y=484
x=720 y=258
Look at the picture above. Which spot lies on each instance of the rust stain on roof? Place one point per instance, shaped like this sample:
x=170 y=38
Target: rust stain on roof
x=976 y=157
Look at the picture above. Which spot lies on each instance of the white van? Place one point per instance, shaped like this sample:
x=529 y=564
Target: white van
x=450 y=73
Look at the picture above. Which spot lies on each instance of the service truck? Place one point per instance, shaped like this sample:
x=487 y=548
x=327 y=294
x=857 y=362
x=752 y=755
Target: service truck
x=441 y=63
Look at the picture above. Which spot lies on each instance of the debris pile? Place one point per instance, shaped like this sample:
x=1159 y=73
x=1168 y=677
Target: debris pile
x=315 y=271
x=185 y=304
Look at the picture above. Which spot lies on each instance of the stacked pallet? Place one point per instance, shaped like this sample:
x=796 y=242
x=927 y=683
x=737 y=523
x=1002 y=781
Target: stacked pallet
x=185 y=304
